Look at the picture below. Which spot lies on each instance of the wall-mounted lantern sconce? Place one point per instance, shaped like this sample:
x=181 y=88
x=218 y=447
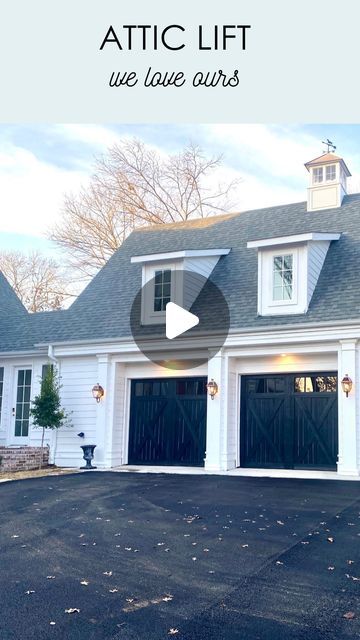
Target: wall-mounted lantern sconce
x=346 y=384
x=98 y=392
x=212 y=388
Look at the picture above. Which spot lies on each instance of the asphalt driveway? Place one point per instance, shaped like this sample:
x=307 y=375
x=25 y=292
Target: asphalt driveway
x=128 y=556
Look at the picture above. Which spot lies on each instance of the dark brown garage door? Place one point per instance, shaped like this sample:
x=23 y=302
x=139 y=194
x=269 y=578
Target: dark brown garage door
x=168 y=421
x=289 y=421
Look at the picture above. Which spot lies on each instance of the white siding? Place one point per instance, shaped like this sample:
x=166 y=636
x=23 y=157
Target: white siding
x=78 y=375
x=202 y=266
x=316 y=256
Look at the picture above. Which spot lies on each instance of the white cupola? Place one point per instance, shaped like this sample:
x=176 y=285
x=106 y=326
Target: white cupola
x=328 y=175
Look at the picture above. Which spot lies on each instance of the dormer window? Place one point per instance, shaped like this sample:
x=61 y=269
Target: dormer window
x=283 y=278
x=162 y=289
x=163 y=272
x=288 y=270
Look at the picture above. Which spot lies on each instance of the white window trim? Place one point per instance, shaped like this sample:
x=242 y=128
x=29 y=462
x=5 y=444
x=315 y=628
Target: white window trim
x=12 y=439
x=293 y=299
x=148 y=315
x=269 y=258
x=298 y=303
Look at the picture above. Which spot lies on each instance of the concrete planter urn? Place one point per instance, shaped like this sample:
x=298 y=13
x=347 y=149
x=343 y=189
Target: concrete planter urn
x=88 y=450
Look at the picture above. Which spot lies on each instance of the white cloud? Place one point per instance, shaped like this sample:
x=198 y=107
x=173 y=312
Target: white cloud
x=32 y=191
x=279 y=151
x=92 y=134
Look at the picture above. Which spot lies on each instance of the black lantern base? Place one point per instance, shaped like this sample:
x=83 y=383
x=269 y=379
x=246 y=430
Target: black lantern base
x=88 y=450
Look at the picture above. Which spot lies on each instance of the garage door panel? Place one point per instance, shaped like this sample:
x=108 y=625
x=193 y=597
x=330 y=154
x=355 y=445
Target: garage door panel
x=315 y=430
x=289 y=421
x=189 y=435
x=147 y=436
x=265 y=430
x=168 y=421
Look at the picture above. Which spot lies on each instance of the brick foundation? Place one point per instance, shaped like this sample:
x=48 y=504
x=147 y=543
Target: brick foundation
x=22 y=458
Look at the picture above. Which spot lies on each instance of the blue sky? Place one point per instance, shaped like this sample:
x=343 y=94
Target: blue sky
x=40 y=163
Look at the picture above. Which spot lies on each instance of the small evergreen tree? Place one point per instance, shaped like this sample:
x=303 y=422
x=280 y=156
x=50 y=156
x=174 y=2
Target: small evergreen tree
x=46 y=408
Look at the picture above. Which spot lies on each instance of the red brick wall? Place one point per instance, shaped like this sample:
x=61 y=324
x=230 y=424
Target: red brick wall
x=22 y=458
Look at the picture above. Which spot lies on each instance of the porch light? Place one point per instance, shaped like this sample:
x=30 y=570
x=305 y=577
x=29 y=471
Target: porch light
x=346 y=384
x=98 y=392
x=212 y=388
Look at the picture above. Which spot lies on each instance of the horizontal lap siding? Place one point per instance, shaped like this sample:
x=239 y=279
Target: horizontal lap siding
x=78 y=376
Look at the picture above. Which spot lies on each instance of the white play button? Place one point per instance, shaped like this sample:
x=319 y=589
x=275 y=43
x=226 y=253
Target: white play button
x=178 y=320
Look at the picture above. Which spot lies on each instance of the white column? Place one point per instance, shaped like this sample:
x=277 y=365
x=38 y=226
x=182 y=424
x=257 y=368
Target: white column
x=348 y=409
x=102 y=412
x=216 y=411
x=115 y=416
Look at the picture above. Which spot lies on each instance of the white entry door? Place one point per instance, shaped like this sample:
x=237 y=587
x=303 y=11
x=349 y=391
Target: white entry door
x=21 y=406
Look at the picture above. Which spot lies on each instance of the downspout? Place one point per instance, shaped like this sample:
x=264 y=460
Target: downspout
x=53 y=435
x=51 y=354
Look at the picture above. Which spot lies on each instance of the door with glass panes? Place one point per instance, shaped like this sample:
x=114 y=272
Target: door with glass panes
x=21 y=405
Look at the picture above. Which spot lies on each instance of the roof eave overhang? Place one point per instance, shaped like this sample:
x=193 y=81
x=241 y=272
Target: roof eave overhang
x=178 y=255
x=293 y=239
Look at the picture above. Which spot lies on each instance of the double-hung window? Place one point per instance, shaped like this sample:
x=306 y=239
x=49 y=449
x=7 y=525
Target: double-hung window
x=283 y=277
x=162 y=289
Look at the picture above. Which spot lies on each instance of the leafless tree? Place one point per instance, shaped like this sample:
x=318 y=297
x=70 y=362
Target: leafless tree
x=134 y=185
x=38 y=280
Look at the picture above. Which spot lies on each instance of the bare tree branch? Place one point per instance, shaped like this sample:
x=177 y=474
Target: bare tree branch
x=37 y=280
x=133 y=185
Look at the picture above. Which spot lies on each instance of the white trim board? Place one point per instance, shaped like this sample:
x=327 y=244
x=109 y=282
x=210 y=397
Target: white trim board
x=175 y=255
x=300 y=237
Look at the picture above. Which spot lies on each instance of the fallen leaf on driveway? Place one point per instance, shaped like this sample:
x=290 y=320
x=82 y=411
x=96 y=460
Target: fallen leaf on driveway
x=72 y=610
x=350 y=615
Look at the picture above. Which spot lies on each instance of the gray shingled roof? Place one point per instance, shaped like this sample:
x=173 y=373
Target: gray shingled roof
x=102 y=310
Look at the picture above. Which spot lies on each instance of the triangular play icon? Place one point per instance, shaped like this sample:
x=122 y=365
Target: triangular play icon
x=178 y=320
